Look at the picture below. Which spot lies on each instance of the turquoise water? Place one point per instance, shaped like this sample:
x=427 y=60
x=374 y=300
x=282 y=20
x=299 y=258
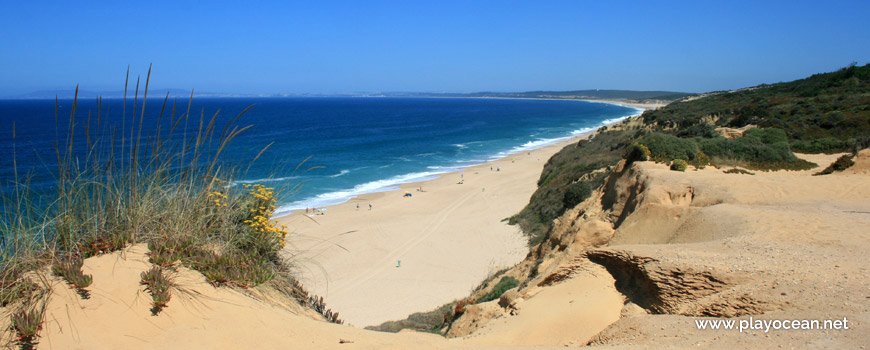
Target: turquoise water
x=358 y=145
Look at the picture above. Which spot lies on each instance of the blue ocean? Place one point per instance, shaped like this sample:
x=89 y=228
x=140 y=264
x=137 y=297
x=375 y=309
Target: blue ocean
x=346 y=146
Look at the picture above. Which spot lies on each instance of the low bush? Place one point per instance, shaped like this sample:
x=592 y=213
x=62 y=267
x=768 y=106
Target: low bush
x=767 y=135
x=842 y=163
x=665 y=148
x=698 y=130
x=430 y=321
x=749 y=149
x=701 y=160
x=798 y=165
x=637 y=152
x=826 y=145
x=679 y=165
x=576 y=193
x=502 y=286
x=261 y=236
x=737 y=171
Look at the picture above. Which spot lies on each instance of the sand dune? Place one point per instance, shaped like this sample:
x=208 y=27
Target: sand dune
x=698 y=245
x=632 y=267
x=448 y=237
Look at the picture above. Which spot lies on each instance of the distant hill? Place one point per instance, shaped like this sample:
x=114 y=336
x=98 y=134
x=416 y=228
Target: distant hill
x=824 y=113
x=827 y=112
x=628 y=95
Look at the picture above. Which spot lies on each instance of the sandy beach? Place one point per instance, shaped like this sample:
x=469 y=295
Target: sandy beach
x=413 y=254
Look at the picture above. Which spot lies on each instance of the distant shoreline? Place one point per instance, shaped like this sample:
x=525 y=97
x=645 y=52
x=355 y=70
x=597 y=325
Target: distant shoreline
x=351 y=252
x=282 y=212
x=560 y=143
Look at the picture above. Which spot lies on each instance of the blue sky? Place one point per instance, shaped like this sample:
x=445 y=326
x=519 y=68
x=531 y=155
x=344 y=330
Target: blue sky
x=459 y=46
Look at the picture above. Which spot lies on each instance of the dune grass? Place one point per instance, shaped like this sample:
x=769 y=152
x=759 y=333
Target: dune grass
x=169 y=189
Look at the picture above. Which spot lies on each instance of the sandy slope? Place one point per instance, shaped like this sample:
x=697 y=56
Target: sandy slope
x=199 y=316
x=699 y=245
x=449 y=237
x=782 y=245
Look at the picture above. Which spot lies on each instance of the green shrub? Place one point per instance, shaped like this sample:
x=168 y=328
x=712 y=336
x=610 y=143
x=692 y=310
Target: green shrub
x=767 y=135
x=665 y=148
x=637 y=152
x=261 y=235
x=823 y=145
x=502 y=286
x=842 y=163
x=701 y=160
x=580 y=160
x=431 y=321
x=576 y=193
x=749 y=149
x=698 y=130
x=679 y=165
x=737 y=171
x=800 y=164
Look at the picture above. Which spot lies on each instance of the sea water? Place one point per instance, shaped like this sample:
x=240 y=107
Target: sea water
x=352 y=145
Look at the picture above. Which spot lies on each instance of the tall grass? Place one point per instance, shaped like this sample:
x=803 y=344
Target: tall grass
x=169 y=187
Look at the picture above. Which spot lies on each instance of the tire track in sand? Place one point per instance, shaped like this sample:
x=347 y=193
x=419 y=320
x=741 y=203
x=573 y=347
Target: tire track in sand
x=382 y=264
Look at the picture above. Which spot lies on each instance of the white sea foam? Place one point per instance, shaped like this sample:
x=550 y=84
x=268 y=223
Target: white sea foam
x=341 y=173
x=268 y=179
x=341 y=196
x=338 y=197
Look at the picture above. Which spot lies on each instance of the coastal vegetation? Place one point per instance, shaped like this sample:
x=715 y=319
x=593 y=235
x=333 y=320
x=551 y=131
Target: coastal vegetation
x=825 y=113
x=503 y=285
x=70 y=269
x=842 y=163
x=694 y=132
x=679 y=165
x=170 y=191
x=158 y=285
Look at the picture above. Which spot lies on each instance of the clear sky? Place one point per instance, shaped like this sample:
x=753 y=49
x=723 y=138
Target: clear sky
x=457 y=46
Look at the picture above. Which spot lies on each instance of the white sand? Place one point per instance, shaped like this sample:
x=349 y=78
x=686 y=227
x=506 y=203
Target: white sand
x=449 y=237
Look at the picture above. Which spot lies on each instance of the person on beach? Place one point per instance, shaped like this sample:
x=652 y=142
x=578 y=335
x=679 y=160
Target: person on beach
x=357 y=206
x=370 y=206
